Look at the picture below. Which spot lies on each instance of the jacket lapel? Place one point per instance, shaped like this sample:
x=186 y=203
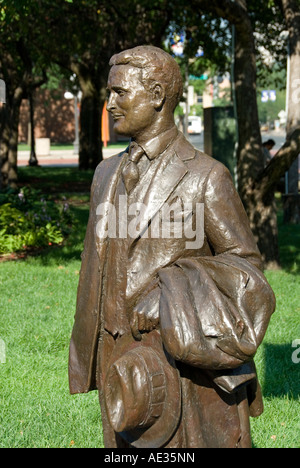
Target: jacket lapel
x=107 y=200
x=168 y=175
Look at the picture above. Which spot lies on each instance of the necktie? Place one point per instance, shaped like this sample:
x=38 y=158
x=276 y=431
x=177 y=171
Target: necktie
x=130 y=172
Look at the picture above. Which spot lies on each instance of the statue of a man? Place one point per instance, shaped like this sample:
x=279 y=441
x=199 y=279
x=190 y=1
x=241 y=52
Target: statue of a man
x=172 y=303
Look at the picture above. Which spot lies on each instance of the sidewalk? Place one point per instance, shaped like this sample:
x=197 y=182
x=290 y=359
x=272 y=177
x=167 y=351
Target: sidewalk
x=60 y=158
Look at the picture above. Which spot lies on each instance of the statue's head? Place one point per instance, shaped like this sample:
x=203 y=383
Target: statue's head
x=145 y=86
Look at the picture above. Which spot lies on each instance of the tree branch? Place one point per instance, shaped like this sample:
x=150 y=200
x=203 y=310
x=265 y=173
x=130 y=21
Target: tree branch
x=233 y=11
x=279 y=164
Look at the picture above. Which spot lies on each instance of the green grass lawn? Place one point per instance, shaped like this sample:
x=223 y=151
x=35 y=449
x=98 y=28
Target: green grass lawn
x=37 y=304
x=69 y=146
x=279 y=425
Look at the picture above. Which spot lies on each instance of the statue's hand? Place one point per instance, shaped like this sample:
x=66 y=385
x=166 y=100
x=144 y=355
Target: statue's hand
x=145 y=315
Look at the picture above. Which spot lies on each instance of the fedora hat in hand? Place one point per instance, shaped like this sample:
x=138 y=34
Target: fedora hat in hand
x=142 y=392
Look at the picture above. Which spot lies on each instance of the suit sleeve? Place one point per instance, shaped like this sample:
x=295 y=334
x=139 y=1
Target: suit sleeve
x=226 y=223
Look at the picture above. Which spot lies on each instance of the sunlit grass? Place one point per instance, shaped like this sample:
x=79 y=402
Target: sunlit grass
x=37 y=305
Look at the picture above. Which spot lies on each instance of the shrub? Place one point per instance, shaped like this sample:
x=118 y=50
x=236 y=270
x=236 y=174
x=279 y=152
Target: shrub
x=30 y=219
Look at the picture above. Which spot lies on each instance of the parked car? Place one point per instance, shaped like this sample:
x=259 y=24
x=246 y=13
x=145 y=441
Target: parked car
x=194 y=125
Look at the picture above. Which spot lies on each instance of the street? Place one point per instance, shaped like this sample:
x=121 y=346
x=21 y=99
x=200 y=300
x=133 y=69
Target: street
x=197 y=141
x=68 y=158
x=277 y=135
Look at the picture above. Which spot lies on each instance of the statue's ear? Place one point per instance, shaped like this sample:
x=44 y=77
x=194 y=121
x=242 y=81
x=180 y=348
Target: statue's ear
x=158 y=95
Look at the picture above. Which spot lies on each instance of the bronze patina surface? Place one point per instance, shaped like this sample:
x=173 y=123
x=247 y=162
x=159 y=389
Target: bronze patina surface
x=172 y=301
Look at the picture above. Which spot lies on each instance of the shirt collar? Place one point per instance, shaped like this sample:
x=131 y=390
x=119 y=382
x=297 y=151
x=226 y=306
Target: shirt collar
x=160 y=143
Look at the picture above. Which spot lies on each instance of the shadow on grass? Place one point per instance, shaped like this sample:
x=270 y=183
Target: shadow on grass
x=56 y=180
x=282 y=375
x=65 y=183
x=73 y=245
x=289 y=247
x=70 y=181
x=289 y=243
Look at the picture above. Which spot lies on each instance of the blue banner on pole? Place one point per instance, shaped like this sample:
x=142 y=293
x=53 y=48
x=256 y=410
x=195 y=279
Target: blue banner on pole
x=268 y=95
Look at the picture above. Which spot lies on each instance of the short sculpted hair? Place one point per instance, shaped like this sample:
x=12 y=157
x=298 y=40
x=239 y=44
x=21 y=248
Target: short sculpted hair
x=156 y=65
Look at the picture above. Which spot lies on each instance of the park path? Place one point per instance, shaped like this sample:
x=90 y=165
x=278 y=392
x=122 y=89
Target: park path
x=68 y=158
x=59 y=158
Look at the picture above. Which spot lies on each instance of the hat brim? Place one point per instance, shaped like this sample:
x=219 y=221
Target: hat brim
x=164 y=427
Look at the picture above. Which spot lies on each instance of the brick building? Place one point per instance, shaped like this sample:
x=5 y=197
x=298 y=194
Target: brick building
x=54 y=118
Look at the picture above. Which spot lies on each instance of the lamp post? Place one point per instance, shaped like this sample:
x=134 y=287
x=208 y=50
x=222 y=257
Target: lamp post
x=76 y=110
x=2 y=92
x=33 y=159
x=68 y=95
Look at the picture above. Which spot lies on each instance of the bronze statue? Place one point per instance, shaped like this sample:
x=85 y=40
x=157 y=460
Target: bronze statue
x=172 y=303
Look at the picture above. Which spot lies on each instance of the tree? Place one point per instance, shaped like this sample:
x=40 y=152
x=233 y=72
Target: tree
x=256 y=184
x=84 y=35
x=279 y=17
x=81 y=36
x=19 y=67
x=275 y=79
x=291 y=11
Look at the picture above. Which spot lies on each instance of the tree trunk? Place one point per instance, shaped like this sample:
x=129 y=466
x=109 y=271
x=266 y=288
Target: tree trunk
x=263 y=216
x=260 y=207
x=92 y=102
x=32 y=159
x=263 y=199
x=2 y=122
x=292 y=18
x=256 y=185
x=249 y=155
x=9 y=140
x=90 y=145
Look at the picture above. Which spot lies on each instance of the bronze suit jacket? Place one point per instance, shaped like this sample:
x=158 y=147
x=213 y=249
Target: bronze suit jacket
x=212 y=331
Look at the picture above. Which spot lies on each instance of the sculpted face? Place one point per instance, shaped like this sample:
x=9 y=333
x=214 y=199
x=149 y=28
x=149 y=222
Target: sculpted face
x=131 y=105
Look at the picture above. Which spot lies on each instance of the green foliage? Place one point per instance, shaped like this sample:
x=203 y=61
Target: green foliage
x=199 y=85
x=179 y=111
x=278 y=427
x=268 y=111
x=29 y=219
x=272 y=76
x=197 y=109
x=37 y=305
